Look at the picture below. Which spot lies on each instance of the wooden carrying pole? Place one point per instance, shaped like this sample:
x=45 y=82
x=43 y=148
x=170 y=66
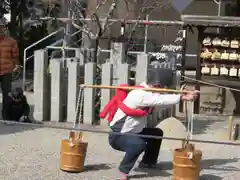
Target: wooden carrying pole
x=132 y=88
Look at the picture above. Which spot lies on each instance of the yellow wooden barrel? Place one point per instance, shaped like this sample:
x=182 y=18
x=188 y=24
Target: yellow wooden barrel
x=73 y=154
x=186 y=163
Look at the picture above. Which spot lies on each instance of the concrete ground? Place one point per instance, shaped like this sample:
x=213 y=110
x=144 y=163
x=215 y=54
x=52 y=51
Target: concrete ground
x=33 y=154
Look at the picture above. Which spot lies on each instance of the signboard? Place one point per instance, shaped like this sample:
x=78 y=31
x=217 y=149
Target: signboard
x=168 y=57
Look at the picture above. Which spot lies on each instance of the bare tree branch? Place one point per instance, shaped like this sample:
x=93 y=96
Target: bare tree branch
x=95 y=33
x=102 y=27
x=147 y=6
x=109 y=15
x=95 y=18
x=124 y=19
x=100 y=3
x=134 y=27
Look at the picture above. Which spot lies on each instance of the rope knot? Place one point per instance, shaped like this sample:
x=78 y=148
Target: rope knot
x=82 y=86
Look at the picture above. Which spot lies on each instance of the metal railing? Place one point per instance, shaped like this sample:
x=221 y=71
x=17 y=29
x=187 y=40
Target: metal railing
x=25 y=58
x=130 y=21
x=34 y=44
x=109 y=51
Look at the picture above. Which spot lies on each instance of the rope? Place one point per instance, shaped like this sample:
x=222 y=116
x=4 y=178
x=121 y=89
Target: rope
x=39 y=125
x=77 y=107
x=189 y=119
x=191 y=116
x=188 y=115
x=81 y=104
x=212 y=84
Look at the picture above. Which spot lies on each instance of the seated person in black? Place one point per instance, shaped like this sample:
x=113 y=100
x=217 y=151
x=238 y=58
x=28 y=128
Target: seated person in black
x=17 y=107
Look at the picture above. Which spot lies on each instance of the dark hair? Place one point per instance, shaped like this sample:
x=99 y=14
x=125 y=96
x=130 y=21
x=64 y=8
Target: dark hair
x=160 y=76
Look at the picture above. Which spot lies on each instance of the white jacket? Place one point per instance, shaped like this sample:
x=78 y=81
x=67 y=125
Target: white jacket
x=138 y=99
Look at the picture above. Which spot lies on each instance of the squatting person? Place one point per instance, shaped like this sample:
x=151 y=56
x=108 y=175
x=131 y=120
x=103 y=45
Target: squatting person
x=130 y=117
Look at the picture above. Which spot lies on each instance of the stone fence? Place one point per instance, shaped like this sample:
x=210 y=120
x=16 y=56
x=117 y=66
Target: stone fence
x=55 y=96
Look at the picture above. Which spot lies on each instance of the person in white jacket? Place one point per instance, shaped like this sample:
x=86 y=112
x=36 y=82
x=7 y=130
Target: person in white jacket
x=133 y=146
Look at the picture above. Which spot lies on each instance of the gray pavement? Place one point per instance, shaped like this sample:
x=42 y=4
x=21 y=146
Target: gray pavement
x=33 y=154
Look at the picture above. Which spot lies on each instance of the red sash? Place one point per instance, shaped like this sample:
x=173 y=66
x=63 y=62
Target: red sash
x=117 y=102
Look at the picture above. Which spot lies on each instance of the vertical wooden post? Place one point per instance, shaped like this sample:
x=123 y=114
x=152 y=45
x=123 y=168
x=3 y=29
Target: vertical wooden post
x=198 y=69
x=230 y=127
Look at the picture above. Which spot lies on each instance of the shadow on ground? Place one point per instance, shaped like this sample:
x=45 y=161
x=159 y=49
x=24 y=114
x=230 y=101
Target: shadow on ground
x=214 y=164
x=209 y=176
x=207 y=164
x=14 y=128
x=93 y=167
x=160 y=171
x=151 y=173
x=145 y=173
x=96 y=167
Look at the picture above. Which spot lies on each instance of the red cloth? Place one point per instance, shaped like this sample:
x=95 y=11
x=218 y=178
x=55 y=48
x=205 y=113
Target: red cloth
x=117 y=102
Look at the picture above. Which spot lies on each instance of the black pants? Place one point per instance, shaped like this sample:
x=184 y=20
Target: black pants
x=133 y=146
x=6 y=84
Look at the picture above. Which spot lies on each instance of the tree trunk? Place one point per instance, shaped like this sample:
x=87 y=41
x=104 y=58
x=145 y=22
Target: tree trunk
x=13 y=24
